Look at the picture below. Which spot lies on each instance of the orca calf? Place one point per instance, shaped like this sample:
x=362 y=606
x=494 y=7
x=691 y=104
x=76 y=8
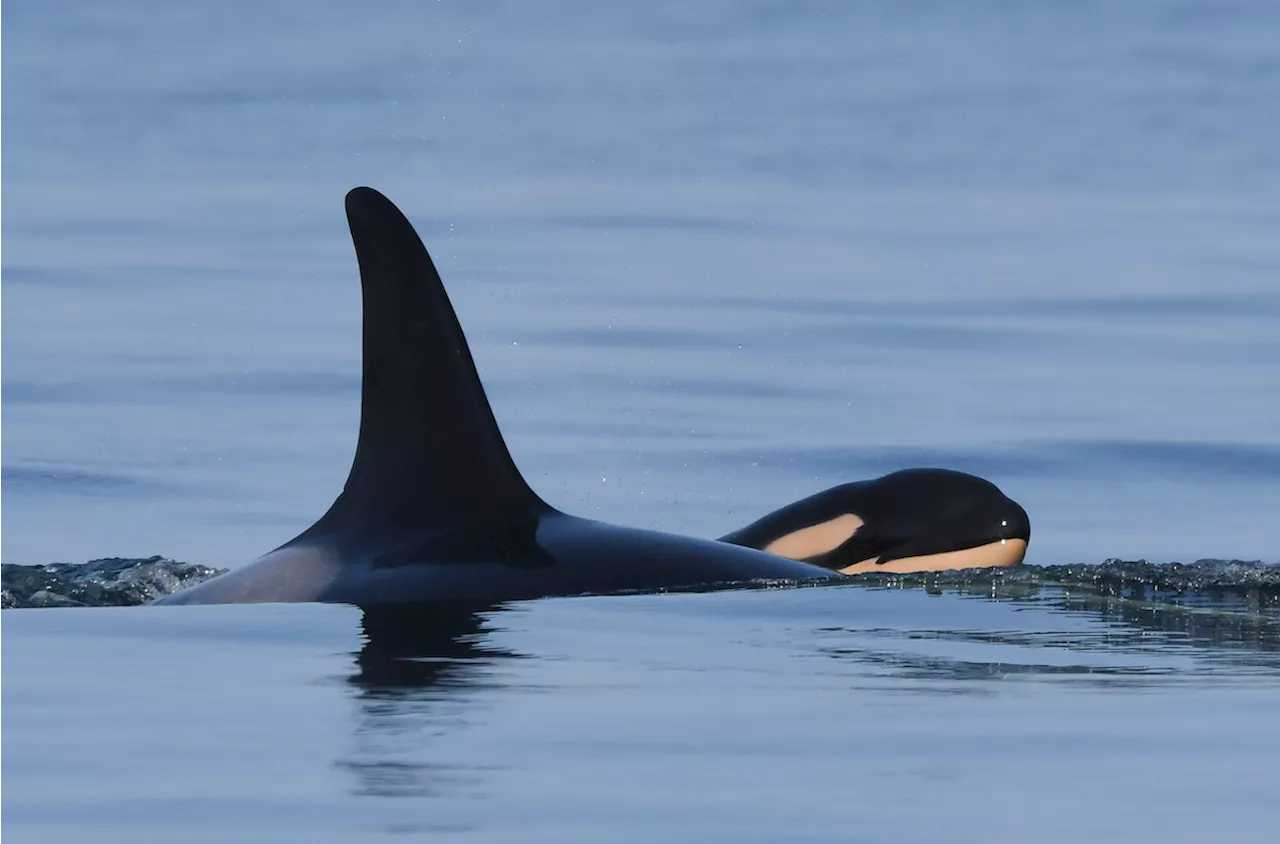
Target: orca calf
x=908 y=521
x=435 y=511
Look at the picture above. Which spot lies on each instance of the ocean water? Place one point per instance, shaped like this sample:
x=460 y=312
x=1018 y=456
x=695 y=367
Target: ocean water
x=821 y=714
x=710 y=258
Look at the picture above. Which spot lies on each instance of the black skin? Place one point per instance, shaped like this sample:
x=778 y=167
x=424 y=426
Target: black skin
x=911 y=513
x=434 y=509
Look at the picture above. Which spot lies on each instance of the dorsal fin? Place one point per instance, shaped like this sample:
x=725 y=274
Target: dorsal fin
x=430 y=452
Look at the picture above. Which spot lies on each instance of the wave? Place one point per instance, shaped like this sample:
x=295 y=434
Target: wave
x=107 y=582
x=1237 y=585
x=1245 y=585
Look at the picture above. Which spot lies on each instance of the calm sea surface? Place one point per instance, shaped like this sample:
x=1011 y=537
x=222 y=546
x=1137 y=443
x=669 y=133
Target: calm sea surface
x=711 y=257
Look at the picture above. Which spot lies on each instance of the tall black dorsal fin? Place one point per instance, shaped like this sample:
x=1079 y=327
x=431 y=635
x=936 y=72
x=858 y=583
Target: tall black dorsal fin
x=430 y=452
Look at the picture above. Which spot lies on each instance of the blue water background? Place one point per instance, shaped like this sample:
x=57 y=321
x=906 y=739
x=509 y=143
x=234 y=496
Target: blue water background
x=711 y=257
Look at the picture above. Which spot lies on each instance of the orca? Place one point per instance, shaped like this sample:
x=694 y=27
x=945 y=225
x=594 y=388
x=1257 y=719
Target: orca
x=912 y=520
x=435 y=511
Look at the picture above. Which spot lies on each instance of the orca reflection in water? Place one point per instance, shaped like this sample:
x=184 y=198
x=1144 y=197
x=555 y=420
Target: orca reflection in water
x=408 y=646
x=434 y=509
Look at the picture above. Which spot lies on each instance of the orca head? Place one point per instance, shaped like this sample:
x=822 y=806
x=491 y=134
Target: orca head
x=912 y=520
x=931 y=519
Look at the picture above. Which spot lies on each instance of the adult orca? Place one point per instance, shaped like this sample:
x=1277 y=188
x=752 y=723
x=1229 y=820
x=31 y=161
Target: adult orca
x=435 y=511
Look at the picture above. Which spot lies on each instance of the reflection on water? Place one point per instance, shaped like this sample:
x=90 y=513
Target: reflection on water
x=416 y=676
x=410 y=649
x=427 y=676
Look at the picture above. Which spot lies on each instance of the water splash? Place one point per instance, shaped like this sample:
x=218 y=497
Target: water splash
x=1250 y=587
x=108 y=582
